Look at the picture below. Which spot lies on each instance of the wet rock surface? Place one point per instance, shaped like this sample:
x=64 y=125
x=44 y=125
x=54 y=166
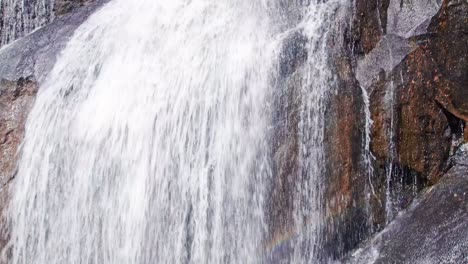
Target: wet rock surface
x=285 y=156
x=35 y=54
x=411 y=58
x=417 y=122
x=433 y=230
x=369 y=24
x=344 y=153
x=16 y=100
x=62 y=7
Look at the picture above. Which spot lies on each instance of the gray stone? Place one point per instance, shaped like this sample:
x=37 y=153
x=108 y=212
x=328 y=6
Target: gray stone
x=433 y=230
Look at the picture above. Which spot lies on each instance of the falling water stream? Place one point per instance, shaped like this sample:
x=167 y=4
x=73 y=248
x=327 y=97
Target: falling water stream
x=20 y=17
x=149 y=140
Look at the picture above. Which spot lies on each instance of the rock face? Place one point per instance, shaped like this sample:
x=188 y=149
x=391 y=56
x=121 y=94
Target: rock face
x=371 y=24
x=16 y=100
x=412 y=60
x=425 y=119
x=433 y=230
x=410 y=57
x=34 y=55
x=344 y=162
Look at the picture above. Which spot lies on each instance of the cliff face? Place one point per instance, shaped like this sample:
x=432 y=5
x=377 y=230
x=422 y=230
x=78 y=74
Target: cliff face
x=410 y=57
x=432 y=230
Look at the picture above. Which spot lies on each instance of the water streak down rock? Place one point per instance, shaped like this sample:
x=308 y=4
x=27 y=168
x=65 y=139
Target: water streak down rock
x=417 y=87
x=20 y=17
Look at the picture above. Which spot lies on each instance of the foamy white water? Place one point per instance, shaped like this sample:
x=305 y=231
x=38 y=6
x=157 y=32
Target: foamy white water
x=149 y=141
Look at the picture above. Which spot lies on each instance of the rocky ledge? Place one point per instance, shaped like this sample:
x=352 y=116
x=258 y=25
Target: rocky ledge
x=433 y=230
x=409 y=59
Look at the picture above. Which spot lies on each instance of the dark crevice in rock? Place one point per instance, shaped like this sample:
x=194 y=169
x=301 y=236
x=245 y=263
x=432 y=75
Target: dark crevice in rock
x=370 y=23
x=456 y=125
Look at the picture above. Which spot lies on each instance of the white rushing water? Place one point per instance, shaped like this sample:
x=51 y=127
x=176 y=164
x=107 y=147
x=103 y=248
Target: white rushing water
x=319 y=25
x=20 y=17
x=368 y=158
x=148 y=142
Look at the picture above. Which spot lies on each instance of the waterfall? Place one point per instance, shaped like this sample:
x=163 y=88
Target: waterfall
x=391 y=168
x=368 y=158
x=20 y=17
x=318 y=83
x=149 y=140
